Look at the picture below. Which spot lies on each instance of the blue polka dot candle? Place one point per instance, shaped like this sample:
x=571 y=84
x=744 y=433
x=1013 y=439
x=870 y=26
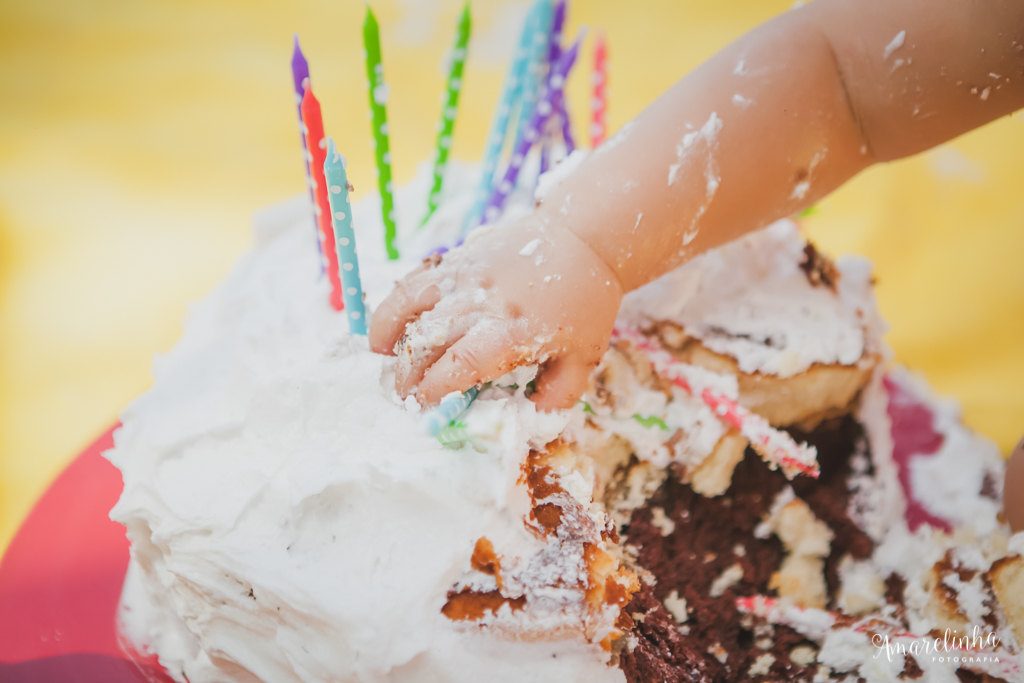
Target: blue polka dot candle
x=345 y=239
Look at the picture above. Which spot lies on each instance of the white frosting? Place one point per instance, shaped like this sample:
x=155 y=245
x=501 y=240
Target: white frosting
x=289 y=520
x=947 y=482
x=750 y=300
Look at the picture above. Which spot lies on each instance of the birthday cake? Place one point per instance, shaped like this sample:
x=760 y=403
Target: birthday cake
x=748 y=490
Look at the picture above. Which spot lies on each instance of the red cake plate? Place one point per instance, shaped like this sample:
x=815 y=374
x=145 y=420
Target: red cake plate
x=61 y=578
x=60 y=582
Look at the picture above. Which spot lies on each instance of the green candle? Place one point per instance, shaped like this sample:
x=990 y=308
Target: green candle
x=379 y=121
x=449 y=109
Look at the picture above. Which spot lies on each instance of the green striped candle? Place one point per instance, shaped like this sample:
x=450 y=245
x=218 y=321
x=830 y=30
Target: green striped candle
x=449 y=109
x=379 y=121
x=344 y=238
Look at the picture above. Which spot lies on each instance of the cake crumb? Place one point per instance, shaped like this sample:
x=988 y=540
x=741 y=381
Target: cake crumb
x=807 y=541
x=676 y=606
x=803 y=655
x=819 y=269
x=762 y=665
x=1007 y=579
x=726 y=580
x=661 y=521
x=911 y=669
x=714 y=475
x=719 y=652
x=823 y=674
x=764 y=634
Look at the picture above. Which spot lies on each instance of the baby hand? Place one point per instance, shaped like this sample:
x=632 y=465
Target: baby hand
x=512 y=295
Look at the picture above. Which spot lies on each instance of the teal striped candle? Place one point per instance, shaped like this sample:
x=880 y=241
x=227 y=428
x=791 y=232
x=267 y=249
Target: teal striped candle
x=449 y=109
x=344 y=238
x=511 y=94
x=379 y=121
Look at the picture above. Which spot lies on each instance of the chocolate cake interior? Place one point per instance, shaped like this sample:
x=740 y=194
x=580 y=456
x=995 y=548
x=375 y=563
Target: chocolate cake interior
x=712 y=556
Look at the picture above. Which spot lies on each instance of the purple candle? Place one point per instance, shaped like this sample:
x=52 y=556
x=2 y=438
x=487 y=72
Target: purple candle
x=300 y=78
x=541 y=113
x=555 y=38
x=561 y=114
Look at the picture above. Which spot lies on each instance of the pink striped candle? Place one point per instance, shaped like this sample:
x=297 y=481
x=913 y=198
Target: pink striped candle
x=599 y=100
x=777 y=448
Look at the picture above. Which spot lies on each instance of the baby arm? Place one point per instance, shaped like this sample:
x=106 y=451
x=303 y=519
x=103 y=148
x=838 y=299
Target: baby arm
x=769 y=125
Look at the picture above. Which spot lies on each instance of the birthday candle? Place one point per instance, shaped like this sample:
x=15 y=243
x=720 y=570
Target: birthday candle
x=561 y=114
x=598 y=103
x=379 y=121
x=449 y=110
x=345 y=240
x=450 y=407
x=300 y=79
x=554 y=42
x=562 y=107
x=454 y=434
x=541 y=114
x=511 y=92
x=545 y=157
x=533 y=85
x=775 y=447
x=317 y=145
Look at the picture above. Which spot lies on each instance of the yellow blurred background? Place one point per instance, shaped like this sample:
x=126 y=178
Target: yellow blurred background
x=138 y=136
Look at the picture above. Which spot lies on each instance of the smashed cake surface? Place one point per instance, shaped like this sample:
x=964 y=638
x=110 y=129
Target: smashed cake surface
x=644 y=535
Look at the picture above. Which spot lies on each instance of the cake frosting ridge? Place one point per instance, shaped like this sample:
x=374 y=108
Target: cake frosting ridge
x=290 y=522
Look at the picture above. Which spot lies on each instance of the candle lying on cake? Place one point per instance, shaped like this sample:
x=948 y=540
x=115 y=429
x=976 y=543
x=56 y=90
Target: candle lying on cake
x=379 y=121
x=317 y=150
x=776 y=447
x=345 y=239
x=449 y=110
x=450 y=407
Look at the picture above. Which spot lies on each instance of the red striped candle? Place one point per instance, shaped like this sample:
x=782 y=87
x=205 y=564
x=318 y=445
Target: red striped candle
x=599 y=102
x=316 y=144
